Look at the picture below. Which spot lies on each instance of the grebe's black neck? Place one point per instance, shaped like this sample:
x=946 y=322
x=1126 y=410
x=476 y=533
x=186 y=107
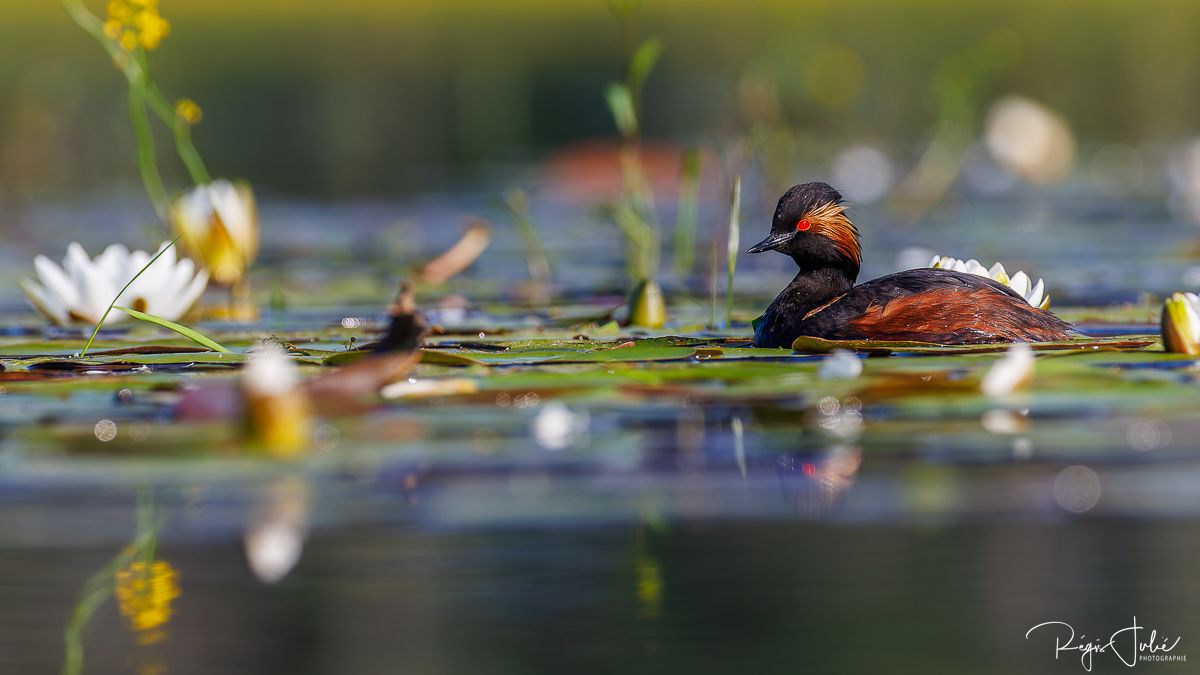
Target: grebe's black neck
x=815 y=286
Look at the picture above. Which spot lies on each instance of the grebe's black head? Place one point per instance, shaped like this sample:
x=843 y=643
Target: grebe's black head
x=811 y=226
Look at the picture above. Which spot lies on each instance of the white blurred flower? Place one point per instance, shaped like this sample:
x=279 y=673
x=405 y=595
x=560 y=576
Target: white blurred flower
x=1184 y=171
x=273 y=549
x=1030 y=140
x=1181 y=323
x=1034 y=294
x=863 y=172
x=219 y=223
x=81 y=290
x=1013 y=371
x=556 y=428
x=840 y=364
x=274 y=540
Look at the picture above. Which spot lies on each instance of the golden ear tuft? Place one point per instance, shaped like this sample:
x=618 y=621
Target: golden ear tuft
x=831 y=222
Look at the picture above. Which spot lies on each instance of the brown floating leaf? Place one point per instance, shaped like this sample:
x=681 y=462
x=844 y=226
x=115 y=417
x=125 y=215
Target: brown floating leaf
x=459 y=256
x=351 y=387
x=149 y=349
x=85 y=366
x=68 y=366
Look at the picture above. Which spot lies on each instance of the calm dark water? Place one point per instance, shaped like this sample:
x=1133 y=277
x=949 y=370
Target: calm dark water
x=688 y=595
x=673 y=562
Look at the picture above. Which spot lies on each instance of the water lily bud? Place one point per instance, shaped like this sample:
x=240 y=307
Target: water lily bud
x=1181 y=323
x=1012 y=372
x=278 y=413
x=219 y=224
x=647 y=308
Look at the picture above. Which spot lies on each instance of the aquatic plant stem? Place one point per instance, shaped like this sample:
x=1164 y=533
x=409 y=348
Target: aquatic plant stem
x=735 y=207
x=147 y=166
x=536 y=258
x=122 y=292
x=92 y=25
x=686 y=209
x=181 y=130
x=136 y=68
x=712 y=283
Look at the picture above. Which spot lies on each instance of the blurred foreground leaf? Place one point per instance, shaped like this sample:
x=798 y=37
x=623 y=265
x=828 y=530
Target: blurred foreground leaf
x=189 y=333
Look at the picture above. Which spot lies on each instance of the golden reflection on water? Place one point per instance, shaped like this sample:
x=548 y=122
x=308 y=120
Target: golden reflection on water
x=145 y=591
x=648 y=573
x=144 y=587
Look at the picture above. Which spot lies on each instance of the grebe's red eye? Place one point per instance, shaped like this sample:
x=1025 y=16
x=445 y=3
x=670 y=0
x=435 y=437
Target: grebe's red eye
x=803 y=225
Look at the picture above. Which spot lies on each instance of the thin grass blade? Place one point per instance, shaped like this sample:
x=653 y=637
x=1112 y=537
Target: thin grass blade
x=189 y=333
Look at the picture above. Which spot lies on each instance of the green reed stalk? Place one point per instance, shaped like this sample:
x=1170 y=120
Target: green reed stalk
x=144 y=94
x=147 y=166
x=686 y=210
x=735 y=208
x=536 y=258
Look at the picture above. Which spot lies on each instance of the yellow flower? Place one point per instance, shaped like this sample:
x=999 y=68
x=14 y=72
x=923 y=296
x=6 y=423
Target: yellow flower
x=219 y=224
x=144 y=594
x=134 y=23
x=188 y=110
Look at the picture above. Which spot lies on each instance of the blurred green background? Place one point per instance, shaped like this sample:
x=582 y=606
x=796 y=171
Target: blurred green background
x=368 y=97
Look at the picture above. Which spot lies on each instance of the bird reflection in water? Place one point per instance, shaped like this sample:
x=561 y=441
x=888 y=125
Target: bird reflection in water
x=814 y=483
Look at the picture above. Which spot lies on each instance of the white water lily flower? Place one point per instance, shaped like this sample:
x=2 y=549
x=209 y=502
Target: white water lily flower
x=219 y=223
x=80 y=290
x=1181 y=323
x=1034 y=294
